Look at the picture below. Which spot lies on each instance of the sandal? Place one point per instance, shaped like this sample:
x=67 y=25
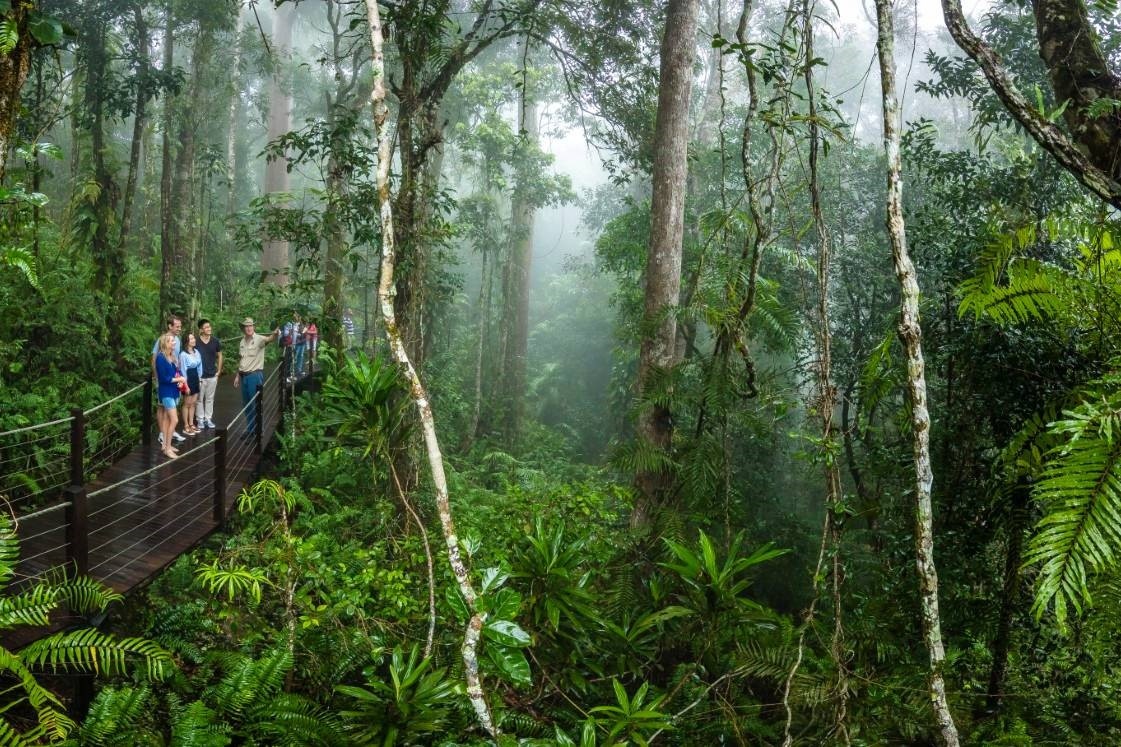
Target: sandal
x=170 y=454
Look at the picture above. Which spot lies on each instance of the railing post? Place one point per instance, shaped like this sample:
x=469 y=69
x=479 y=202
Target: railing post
x=220 y=479
x=77 y=446
x=260 y=407
x=77 y=529
x=146 y=414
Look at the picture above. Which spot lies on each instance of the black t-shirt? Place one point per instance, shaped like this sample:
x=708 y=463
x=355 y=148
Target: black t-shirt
x=209 y=352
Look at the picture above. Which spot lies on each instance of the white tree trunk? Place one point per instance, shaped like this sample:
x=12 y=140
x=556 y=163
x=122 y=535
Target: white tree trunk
x=386 y=294
x=910 y=332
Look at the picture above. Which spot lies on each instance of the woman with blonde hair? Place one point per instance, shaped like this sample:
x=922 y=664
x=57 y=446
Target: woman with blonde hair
x=169 y=379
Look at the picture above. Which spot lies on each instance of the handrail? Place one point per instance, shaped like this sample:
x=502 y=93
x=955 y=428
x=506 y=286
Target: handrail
x=67 y=419
x=95 y=408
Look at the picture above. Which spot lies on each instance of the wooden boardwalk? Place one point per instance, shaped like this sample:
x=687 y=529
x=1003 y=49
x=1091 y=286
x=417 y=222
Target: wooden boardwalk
x=146 y=510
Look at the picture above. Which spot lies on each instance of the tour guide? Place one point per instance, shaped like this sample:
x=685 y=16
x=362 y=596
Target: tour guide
x=251 y=368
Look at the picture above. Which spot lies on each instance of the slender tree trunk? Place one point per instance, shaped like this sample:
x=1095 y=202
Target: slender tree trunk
x=386 y=293
x=140 y=120
x=663 y=262
x=910 y=332
x=521 y=260
x=167 y=261
x=1010 y=599
x=486 y=280
x=234 y=123
x=14 y=68
x=274 y=258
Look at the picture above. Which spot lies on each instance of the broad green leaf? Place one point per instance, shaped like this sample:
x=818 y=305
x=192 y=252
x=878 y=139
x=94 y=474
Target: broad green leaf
x=44 y=28
x=507 y=633
x=511 y=662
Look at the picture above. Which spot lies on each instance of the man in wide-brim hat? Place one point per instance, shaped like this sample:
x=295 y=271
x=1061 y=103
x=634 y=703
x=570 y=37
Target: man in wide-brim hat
x=251 y=367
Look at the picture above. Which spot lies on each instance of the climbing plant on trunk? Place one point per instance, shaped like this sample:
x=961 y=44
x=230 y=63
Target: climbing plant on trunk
x=910 y=332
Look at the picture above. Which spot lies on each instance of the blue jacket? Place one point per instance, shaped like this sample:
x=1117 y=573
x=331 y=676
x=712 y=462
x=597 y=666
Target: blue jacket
x=165 y=372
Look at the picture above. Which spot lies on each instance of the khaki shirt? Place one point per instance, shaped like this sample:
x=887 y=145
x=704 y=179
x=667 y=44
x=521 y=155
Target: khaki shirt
x=252 y=353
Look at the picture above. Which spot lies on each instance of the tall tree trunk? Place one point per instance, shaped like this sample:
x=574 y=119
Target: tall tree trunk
x=184 y=284
x=334 y=271
x=663 y=261
x=167 y=258
x=1080 y=75
x=521 y=261
x=140 y=120
x=910 y=332
x=386 y=293
x=274 y=258
x=233 y=125
x=108 y=254
x=14 y=68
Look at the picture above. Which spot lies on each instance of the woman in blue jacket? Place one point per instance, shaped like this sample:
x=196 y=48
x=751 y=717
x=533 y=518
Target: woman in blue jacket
x=169 y=378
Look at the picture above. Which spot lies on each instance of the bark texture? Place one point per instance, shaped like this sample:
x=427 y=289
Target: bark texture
x=167 y=259
x=274 y=257
x=910 y=332
x=663 y=260
x=14 y=68
x=1100 y=177
x=1080 y=73
x=139 y=122
x=386 y=294
x=521 y=262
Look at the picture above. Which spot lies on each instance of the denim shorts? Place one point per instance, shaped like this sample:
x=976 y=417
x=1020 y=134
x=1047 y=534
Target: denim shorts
x=169 y=402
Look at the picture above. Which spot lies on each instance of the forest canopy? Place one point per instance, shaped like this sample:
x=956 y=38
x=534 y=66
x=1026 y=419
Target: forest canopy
x=684 y=372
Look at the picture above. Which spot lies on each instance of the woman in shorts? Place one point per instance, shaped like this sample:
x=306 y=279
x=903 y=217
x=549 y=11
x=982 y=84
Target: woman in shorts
x=168 y=378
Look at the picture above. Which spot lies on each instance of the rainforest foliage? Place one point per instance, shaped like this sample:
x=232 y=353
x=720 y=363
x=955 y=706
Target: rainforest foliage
x=647 y=270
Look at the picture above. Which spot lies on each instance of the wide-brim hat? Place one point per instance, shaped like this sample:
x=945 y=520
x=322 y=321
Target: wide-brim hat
x=248 y=322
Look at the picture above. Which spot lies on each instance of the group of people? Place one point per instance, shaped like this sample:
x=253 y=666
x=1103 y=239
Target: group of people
x=303 y=338
x=187 y=369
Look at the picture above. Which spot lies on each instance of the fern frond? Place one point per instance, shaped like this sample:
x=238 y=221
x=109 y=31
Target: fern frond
x=113 y=715
x=1035 y=292
x=31 y=607
x=48 y=708
x=196 y=725
x=293 y=719
x=90 y=650
x=9 y=550
x=1080 y=489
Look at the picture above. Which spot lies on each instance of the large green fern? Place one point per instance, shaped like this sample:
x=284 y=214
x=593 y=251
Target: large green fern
x=1080 y=489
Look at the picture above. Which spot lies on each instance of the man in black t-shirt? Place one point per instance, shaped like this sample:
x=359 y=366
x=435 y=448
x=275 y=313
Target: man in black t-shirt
x=210 y=348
